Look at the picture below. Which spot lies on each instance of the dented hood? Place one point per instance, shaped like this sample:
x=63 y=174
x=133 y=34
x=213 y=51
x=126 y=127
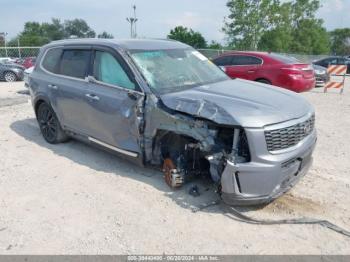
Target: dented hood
x=239 y=102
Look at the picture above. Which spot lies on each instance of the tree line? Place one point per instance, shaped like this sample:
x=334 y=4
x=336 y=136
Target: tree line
x=284 y=26
x=38 y=34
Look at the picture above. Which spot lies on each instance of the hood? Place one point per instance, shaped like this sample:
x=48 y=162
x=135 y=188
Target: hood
x=239 y=102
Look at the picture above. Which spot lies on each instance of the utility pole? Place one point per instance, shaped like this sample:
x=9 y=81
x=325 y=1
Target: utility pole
x=132 y=21
x=19 y=49
x=4 y=34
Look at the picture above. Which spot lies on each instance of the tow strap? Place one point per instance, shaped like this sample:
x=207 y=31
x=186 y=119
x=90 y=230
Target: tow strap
x=295 y=221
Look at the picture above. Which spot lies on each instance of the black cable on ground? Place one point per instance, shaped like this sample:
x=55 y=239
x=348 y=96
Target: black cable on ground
x=294 y=221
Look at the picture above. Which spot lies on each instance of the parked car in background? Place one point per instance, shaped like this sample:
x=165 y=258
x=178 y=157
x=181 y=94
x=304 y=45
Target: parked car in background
x=29 y=62
x=7 y=60
x=321 y=74
x=268 y=68
x=27 y=72
x=333 y=60
x=162 y=104
x=11 y=72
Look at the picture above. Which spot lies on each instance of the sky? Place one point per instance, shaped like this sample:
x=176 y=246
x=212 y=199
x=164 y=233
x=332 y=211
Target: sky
x=156 y=17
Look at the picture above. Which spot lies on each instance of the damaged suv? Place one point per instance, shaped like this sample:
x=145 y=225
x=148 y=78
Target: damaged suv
x=162 y=104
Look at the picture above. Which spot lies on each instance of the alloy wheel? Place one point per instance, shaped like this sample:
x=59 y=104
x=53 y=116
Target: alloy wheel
x=10 y=77
x=48 y=123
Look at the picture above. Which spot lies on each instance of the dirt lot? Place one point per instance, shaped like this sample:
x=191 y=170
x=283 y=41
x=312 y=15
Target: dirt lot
x=75 y=199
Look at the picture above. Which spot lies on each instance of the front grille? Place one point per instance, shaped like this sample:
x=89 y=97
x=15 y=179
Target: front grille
x=284 y=138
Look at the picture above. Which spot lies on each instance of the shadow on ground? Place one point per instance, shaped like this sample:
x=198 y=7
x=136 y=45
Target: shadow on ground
x=99 y=160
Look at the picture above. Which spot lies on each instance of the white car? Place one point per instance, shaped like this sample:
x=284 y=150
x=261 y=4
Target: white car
x=27 y=72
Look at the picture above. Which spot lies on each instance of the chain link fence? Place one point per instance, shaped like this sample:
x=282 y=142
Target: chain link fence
x=19 y=52
x=23 y=52
x=212 y=53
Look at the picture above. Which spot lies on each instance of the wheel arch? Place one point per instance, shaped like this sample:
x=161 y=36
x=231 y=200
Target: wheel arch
x=263 y=79
x=38 y=101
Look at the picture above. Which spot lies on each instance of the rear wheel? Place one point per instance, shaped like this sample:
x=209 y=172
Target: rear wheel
x=49 y=125
x=264 y=81
x=10 y=77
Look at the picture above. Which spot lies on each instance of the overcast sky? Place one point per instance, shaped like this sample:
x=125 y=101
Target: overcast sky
x=156 y=17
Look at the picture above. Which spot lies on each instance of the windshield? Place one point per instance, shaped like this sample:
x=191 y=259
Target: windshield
x=174 y=70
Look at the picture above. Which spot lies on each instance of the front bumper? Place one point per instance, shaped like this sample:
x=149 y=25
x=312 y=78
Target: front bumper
x=267 y=176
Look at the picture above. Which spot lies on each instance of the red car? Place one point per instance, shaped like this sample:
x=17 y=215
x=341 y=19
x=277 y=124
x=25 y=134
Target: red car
x=268 y=68
x=29 y=62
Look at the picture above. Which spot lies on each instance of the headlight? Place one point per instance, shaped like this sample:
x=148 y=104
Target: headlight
x=320 y=72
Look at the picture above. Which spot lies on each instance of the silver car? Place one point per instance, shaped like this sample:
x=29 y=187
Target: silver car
x=162 y=104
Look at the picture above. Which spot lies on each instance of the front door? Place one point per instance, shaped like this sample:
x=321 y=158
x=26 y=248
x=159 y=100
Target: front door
x=69 y=88
x=115 y=103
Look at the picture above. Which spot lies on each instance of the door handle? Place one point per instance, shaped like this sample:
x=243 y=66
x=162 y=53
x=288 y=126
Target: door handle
x=52 y=86
x=93 y=97
x=251 y=71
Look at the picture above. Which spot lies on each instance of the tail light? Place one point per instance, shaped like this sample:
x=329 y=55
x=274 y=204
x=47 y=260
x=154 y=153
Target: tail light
x=292 y=71
x=300 y=71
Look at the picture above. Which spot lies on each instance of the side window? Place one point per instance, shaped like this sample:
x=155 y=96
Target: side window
x=255 y=60
x=223 y=61
x=108 y=70
x=330 y=61
x=341 y=61
x=75 y=63
x=52 y=59
x=245 y=60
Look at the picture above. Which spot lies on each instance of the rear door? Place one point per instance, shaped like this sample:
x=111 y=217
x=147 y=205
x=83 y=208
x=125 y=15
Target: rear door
x=70 y=88
x=244 y=66
x=114 y=103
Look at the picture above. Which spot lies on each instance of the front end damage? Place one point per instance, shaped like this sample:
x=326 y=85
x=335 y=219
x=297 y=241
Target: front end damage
x=235 y=158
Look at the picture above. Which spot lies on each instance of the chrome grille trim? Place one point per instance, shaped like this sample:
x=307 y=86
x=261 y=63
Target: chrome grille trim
x=286 y=137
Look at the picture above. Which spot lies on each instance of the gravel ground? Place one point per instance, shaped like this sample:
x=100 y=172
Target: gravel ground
x=75 y=199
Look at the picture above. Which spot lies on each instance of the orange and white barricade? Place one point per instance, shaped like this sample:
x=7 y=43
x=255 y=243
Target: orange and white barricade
x=336 y=71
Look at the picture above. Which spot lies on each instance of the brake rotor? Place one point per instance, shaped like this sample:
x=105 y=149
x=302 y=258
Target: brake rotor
x=168 y=168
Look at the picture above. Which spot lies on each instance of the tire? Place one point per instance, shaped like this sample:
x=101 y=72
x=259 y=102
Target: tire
x=10 y=77
x=49 y=125
x=264 y=81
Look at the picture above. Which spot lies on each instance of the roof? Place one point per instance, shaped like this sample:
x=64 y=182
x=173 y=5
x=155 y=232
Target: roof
x=127 y=44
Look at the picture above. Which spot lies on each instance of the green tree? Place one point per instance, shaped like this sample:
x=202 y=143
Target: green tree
x=37 y=34
x=78 y=28
x=215 y=45
x=32 y=35
x=310 y=37
x=279 y=37
x=248 y=21
x=274 y=25
x=54 y=30
x=104 y=34
x=187 y=36
x=340 y=41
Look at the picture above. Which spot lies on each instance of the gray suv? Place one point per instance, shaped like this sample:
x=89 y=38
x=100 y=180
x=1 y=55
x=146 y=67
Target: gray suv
x=162 y=104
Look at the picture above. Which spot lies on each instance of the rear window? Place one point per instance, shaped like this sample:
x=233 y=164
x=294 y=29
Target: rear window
x=285 y=59
x=52 y=59
x=75 y=63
